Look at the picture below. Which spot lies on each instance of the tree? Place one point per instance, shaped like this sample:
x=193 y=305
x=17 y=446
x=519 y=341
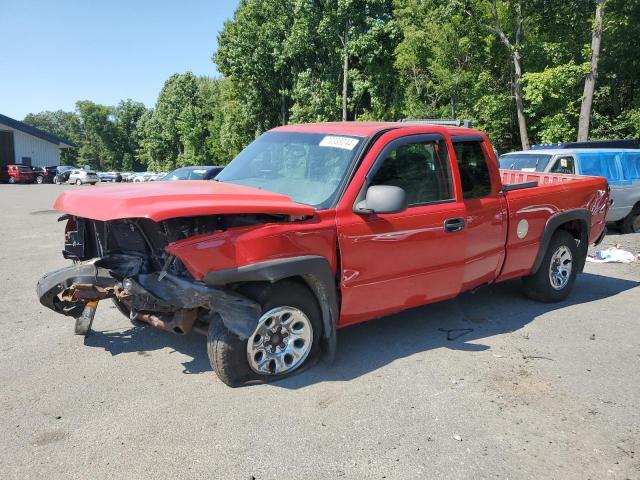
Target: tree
x=516 y=16
x=175 y=132
x=98 y=135
x=125 y=118
x=592 y=76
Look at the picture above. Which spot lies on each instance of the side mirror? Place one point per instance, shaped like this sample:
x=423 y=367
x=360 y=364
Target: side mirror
x=383 y=199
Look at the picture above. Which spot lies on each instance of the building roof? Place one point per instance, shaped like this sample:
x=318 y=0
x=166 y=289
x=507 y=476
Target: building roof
x=36 y=132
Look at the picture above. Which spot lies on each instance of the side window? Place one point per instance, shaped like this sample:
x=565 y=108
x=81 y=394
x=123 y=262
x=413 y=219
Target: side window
x=421 y=169
x=474 y=172
x=564 y=165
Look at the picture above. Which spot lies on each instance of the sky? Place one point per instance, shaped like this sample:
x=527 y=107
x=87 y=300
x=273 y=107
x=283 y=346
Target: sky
x=57 y=52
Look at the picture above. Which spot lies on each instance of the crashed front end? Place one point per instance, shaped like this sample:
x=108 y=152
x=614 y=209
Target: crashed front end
x=126 y=260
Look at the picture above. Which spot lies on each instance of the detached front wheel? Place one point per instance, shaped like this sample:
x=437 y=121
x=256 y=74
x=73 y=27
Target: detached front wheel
x=555 y=278
x=286 y=338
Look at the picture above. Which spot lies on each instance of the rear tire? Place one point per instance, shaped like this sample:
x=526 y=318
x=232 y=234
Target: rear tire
x=555 y=278
x=78 y=182
x=631 y=223
x=11 y=180
x=229 y=355
x=39 y=179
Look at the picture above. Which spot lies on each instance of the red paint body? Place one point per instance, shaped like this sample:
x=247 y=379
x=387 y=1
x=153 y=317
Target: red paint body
x=386 y=262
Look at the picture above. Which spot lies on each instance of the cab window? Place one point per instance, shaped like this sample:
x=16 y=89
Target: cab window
x=420 y=169
x=474 y=172
x=564 y=165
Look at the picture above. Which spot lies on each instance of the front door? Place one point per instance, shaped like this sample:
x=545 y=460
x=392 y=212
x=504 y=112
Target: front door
x=391 y=262
x=485 y=211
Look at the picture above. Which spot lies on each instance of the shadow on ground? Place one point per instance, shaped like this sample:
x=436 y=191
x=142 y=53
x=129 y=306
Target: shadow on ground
x=458 y=324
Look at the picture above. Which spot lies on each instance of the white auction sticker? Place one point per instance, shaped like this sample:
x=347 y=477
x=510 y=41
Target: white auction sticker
x=346 y=143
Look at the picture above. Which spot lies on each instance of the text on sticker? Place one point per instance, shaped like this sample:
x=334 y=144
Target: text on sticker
x=346 y=143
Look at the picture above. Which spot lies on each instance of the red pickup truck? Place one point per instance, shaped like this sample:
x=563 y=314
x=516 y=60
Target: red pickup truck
x=316 y=227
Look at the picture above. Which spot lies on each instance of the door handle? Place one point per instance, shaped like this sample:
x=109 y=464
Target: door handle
x=453 y=224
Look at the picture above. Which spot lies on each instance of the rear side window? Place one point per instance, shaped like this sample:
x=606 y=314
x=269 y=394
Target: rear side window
x=421 y=169
x=474 y=172
x=631 y=165
x=600 y=165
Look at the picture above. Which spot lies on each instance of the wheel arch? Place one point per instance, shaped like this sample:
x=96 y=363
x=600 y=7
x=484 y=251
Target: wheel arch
x=313 y=271
x=578 y=223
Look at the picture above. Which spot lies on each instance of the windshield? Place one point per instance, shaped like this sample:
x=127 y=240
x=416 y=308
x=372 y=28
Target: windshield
x=531 y=162
x=308 y=167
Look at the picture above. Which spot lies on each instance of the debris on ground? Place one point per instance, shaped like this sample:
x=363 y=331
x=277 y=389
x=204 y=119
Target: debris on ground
x=455 y=333
x=593 y=336
x=457 y=437
x=612 y=255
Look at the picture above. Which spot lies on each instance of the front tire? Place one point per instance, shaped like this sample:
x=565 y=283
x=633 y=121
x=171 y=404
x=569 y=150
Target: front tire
x=11 y=180
x=631 y=223
x=555 y=278
x=286 y=338
x=39 y=179
x=78 y=182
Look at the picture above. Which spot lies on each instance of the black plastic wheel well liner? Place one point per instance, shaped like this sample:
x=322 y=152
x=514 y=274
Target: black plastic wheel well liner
x=314 y=270
x=577 y=222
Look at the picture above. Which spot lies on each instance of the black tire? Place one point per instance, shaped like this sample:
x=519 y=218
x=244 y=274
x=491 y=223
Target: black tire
x=228 y=353
x=631 y=223
x=539 y=285
x=78 y=182
x=39 y=179
x=11 y=180
x=56 y=181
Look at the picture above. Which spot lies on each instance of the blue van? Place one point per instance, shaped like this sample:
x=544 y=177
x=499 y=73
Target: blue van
x=621 y=167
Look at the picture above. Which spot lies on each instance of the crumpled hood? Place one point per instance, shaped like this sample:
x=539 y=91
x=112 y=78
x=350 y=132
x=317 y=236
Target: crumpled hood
x=164 y=200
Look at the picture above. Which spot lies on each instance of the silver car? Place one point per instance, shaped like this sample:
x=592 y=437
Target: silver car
x=82 y=176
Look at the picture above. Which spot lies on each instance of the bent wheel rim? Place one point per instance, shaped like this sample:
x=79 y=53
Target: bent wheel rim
x=560 y=268
x=281 y=342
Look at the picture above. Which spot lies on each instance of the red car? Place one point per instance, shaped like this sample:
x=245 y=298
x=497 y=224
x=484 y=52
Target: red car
x=316 y=227
x=16 y=174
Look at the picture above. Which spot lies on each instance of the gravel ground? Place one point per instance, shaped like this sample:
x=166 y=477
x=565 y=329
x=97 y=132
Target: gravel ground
x=530 y=391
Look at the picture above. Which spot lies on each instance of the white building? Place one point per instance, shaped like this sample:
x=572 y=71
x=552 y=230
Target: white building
x=22 y=143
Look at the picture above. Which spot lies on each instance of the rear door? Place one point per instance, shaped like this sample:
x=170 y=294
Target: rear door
x=485 y=210
x=390 y=262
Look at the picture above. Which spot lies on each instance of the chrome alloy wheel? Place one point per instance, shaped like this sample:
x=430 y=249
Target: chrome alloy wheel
x=281 y=341
x=560 y=268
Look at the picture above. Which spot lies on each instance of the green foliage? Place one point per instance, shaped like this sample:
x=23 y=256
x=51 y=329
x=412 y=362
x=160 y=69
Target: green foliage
x=282 y=61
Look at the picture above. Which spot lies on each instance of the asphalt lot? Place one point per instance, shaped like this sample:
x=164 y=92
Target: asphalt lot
x=531 y=392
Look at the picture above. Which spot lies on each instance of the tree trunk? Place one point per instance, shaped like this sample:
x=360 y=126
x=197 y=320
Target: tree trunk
x=590 y=80
x=517 y=88
x=345 y=73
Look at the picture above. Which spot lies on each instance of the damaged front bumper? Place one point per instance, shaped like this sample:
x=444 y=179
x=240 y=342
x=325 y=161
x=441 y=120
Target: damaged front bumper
x=159 y=298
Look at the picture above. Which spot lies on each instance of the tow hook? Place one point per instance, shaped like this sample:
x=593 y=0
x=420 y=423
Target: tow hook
x=84 y=321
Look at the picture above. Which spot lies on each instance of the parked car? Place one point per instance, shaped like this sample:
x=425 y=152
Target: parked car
x=44 y=174
x=126 y=176
x=63 y=172
x=110 y=176
x=80 y=176
x=621 y=168
x=156 y=176
x=16 y=173
x=141 y=177
x=193 y=173
x=317 y=227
